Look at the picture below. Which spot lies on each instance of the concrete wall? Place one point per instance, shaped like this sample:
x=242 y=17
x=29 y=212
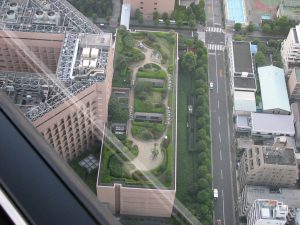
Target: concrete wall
x=138 y=201
x=148 y=7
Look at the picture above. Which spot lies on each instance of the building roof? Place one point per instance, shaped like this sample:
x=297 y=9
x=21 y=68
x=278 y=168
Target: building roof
x=125 y=15
x=242 y=57
x=242 y=123
x=244 y=101
x=272 y=123
x=289 y=196
x=285 y=156
x=244 y=83
x=273 y=88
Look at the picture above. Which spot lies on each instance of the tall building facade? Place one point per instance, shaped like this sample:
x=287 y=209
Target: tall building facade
x=45 y=46
x=290 y=49
x=267 y=211
x=148 y=7
x=57 y=66
x=274 y=165
x=294 y=84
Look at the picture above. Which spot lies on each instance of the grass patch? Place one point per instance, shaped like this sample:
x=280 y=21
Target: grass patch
x=185 y=158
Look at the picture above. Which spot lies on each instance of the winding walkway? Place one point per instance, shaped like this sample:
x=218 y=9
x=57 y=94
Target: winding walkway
x=144 y=160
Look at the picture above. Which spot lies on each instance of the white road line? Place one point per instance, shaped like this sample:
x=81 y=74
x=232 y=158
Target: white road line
x=218 y=103
x=221 y=174
x=217 y=73
x=219 y=120
x=223 y=207
x=221 y=155
x=220 y=137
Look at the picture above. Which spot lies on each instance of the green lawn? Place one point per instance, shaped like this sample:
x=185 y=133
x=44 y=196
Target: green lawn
x=185 y=158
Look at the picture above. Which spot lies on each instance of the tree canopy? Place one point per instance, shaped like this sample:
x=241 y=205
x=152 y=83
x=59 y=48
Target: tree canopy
x=189 y=61
x=93 y=8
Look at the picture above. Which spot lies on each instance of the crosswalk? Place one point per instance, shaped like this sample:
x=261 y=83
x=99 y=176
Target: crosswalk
x=215 y=47
x=214 y=29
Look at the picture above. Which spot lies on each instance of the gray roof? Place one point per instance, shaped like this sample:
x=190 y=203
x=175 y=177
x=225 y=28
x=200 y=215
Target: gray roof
x=283 y=157
x=244 y=83
x=272 y=123
x=244 y=101
x=288 y=196
x=242 y=57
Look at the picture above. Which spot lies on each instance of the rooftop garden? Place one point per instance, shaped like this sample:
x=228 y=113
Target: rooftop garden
x=149 y=75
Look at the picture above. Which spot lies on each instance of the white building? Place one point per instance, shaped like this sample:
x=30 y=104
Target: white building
x=267 y=212
x=290 y=50
x=244 y=102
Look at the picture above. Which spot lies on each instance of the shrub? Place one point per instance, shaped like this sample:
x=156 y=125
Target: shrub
x=171 y=69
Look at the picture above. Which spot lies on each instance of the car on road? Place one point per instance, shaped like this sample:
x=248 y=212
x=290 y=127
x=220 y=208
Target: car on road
x=218 y=222
x=216 y=193
x=211 y=85
x=190 y=108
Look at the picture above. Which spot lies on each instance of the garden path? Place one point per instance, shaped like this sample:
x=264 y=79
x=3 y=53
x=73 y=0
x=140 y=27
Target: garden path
x=144 y=160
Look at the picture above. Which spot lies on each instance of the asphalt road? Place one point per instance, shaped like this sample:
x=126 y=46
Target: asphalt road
x=221 y=129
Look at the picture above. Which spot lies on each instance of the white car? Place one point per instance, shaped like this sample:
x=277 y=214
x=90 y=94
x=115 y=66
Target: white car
x=211 y=85
x=216 y=194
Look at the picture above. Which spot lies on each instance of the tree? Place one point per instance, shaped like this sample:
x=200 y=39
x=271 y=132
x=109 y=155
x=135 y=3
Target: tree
x=202 y=171
x=237 y=26
x=139 y=16
x=251 y=27
x=94 y=17
x=118 y=114
x=203 y=184
x=128 y=40
x=260 y=58
x=155 y=15
x=203 y=196
x=262 y=47
x=237 y=37
x=151 y=37
x=266 y=28
x=202 y=16
x=165 y=16
x=189 y=61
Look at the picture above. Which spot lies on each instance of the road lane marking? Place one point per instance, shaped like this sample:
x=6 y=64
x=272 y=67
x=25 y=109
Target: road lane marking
x=216 y=60
x=218 y=103
x=220 y=137
x=220 y=155
x=219 y=120
x=223 y=207
x=221 y=174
